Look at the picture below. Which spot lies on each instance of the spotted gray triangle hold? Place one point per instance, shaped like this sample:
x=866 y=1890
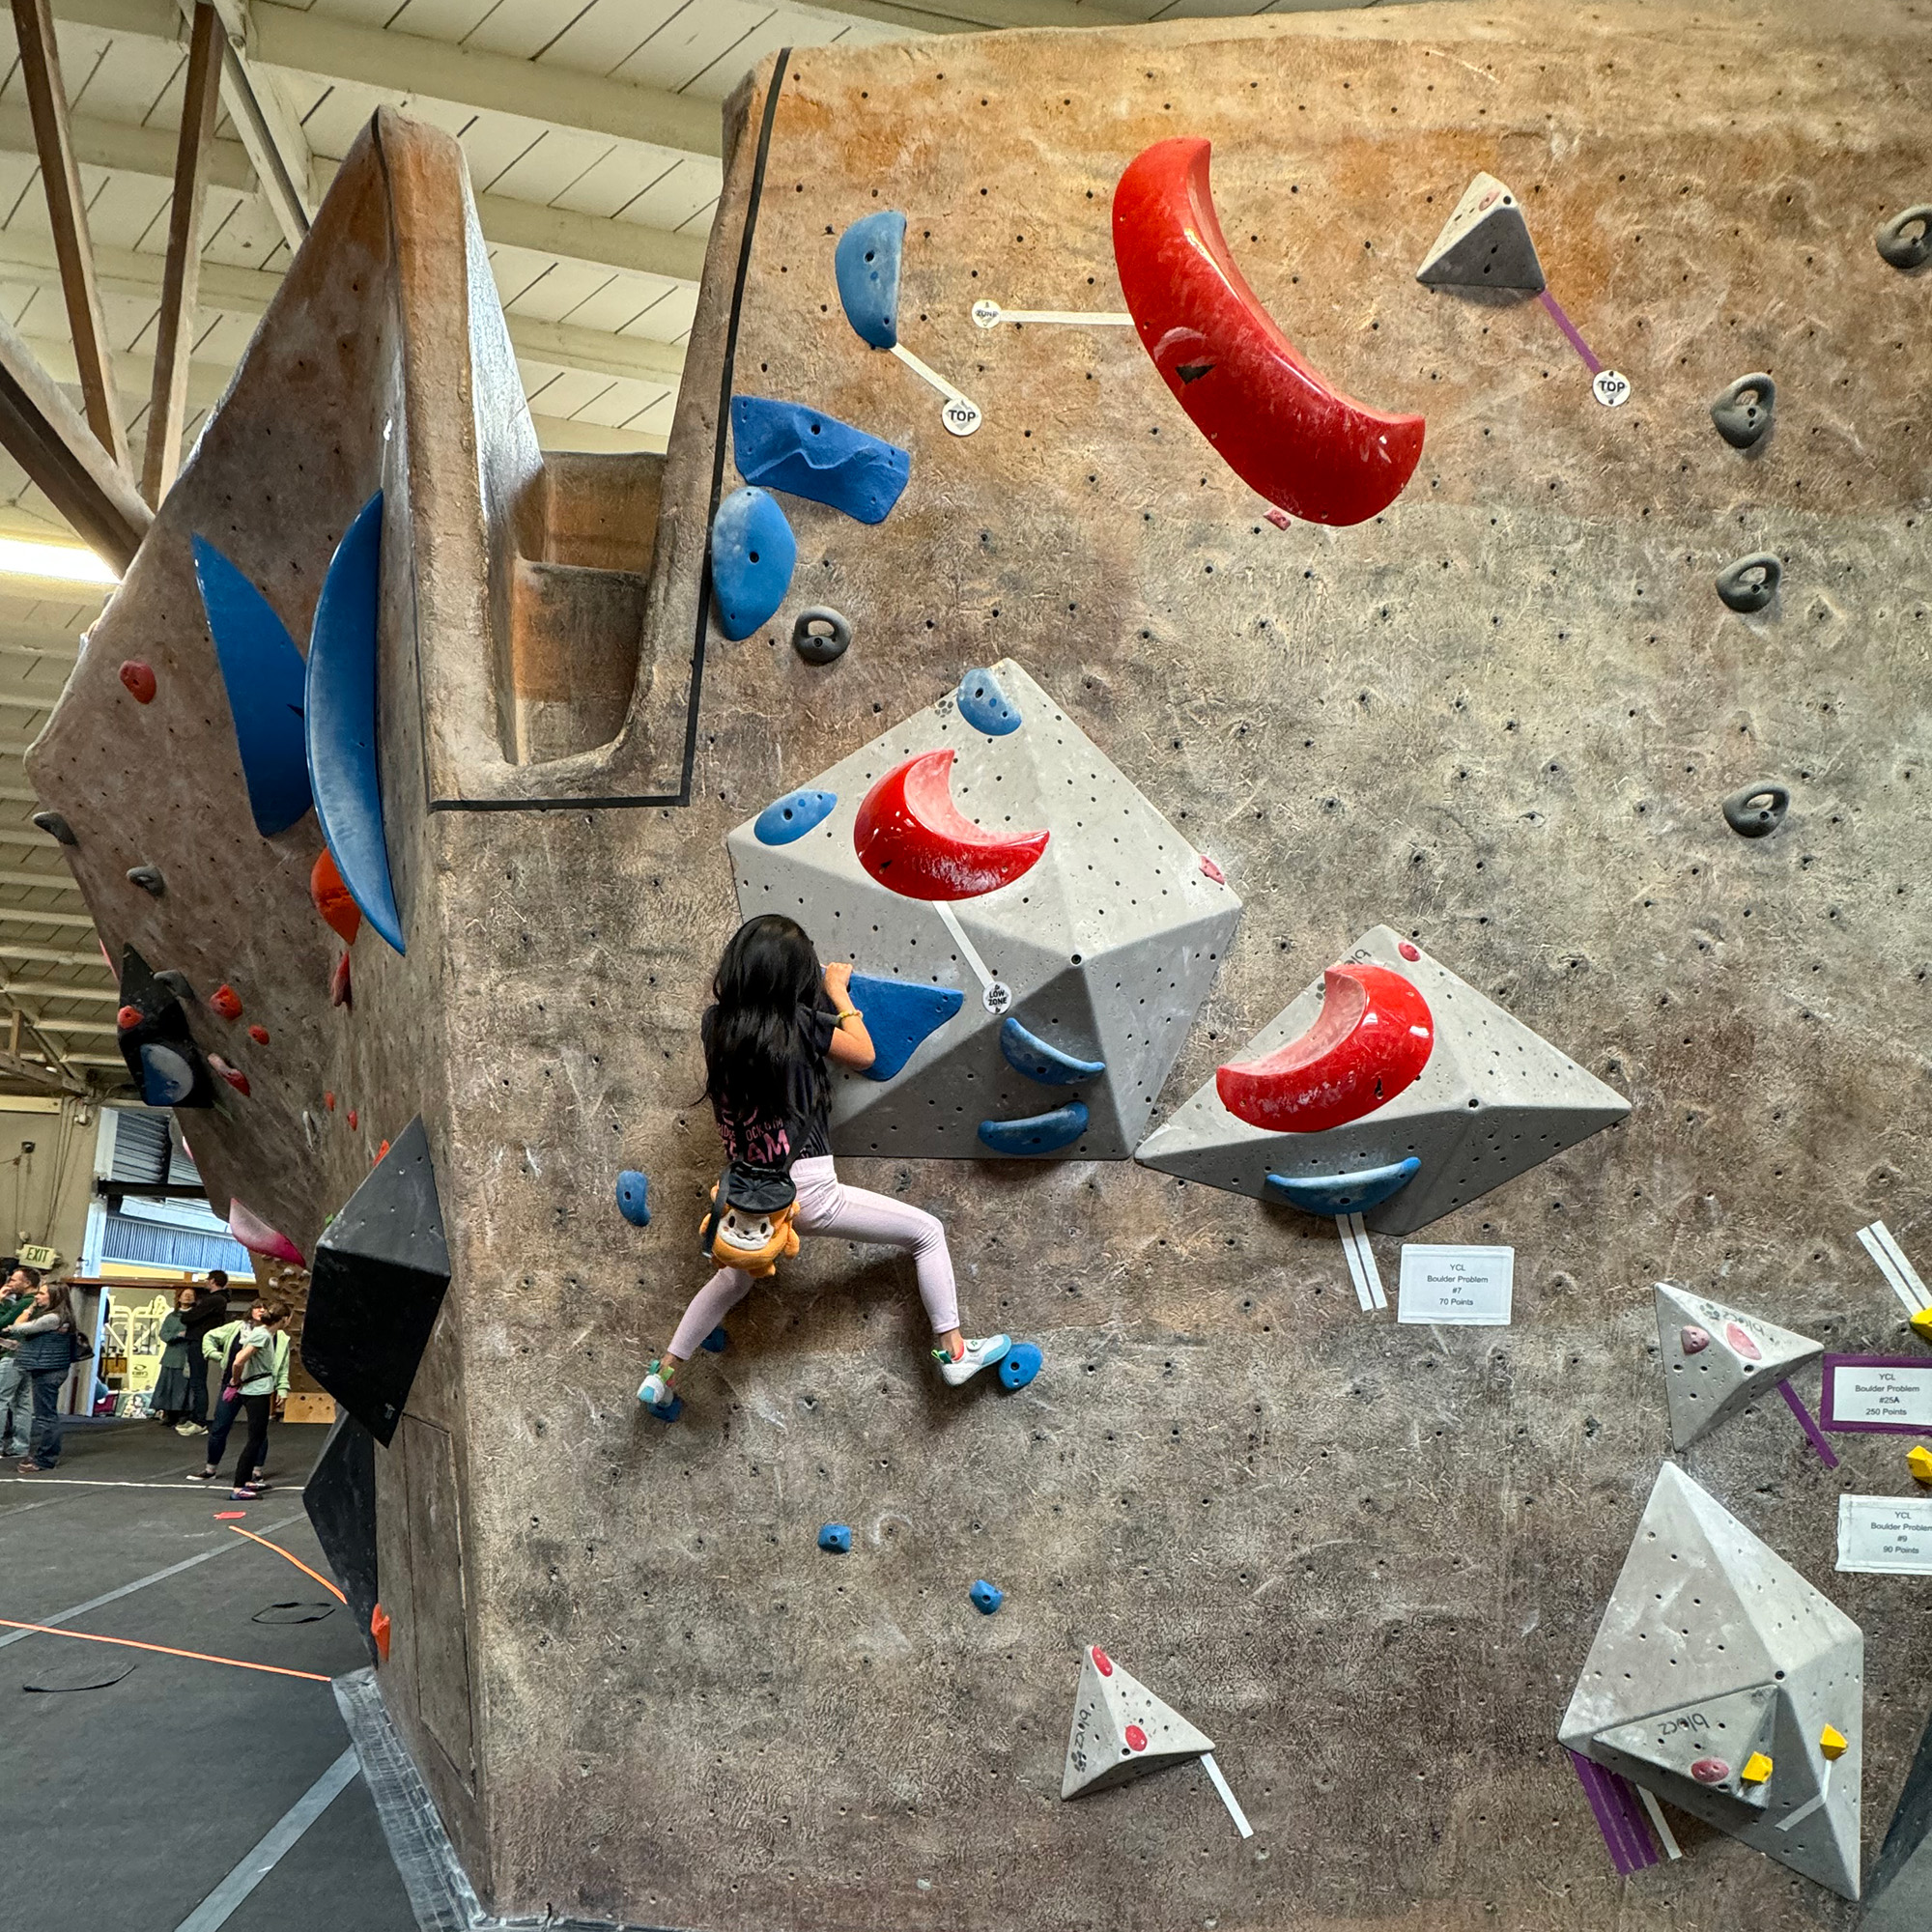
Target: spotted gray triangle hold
x=1712 y=1648
x=1484 y=244
x=1493 y=1100
x=1103 y=947
x=1121 y=1729
x=1716 y=1359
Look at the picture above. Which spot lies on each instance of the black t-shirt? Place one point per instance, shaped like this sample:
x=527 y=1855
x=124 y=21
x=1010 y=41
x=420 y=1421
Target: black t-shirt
x=804 y=1133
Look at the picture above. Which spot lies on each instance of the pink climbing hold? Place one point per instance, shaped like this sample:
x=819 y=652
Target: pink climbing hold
x=1214 y=871
x=1407 y=950
x=259 y=1238
x=1710 y=1770
x=1280 y=519
x=259 y=1034
x=234 y=1076
x=1136 y=1737
x=139 y=678
x=339 y=994
x=1695 y=1341
x=1743 y=1342
x=226 y=1002
x=1102 y=1663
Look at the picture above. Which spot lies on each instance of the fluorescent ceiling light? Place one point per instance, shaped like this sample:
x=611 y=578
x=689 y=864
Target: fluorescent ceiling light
x=66 y=562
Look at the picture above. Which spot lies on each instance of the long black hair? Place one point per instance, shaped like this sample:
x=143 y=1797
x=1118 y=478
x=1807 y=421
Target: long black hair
x=758 y=1061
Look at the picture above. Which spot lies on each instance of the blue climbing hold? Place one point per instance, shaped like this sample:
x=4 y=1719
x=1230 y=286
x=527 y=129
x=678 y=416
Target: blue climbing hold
x=166 y=1077
x=1019 y=1365
x=899 y=1013
x=987 y=1596
x=665 y=1411
x=835 y=1537
x=341 y=720
x=752 y=556
x=1027 y=1053
x=1038 y=1133
x=1337 y=1194
x=787 y=446
x=792 y=816
x=867 y=263
x=264 y=675
x=717 y=1342
x=985 y=706
x=634 y=1198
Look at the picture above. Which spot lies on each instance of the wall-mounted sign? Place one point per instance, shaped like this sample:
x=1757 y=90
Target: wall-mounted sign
x=1878 y=1392
x=41 y=1258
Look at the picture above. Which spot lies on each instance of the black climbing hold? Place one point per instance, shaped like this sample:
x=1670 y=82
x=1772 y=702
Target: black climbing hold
x=376 y=1286
x=821 y=634
x=1751 y=583
x=174 y=982
x=148 y=878
x=1192 y=372
x=56 y=827
x=1906 y=240
x=154 y=998
x=1757 y=809
x=1741 y=412
x=339 y=1494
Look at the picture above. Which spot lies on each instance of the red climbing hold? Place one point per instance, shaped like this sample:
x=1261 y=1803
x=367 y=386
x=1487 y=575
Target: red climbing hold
x=1277 y=423
x=226 y=1002
x=259 y=1034
x=1102 y=1663
x=1136 y=1737
x=1370 y=1041
x=328 y=1101
x=128 y=1017
x=379 y=1629
x=380 y=1152
x=340 y=913
x=352 y=1119
x=338 y=985
x=234 y=1076
x=913 y=839
x=139 y=678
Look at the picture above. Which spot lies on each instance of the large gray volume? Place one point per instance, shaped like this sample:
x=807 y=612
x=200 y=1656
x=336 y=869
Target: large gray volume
x=1107 y=944
x=1492 y=1101
x=1712 y=1647
x=1716 y=1359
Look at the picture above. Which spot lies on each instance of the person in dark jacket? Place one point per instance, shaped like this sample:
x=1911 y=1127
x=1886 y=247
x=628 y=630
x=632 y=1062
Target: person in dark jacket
x=210 y=1311
x=45 y=1332
x=181 y=1359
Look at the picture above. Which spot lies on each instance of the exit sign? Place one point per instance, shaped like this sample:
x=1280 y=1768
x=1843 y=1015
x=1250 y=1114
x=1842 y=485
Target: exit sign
x=39 y=1258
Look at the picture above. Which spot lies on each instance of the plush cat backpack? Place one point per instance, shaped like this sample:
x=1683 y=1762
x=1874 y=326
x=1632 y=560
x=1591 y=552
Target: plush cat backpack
x=750 y=1222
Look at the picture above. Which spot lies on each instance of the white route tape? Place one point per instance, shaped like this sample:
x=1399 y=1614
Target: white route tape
x=1888 y=1241
x=1359 y=1229
x=1665 y=1836
x=990 y=314
x=1890 y=1268
x=960 y=415
x=1235 y=1810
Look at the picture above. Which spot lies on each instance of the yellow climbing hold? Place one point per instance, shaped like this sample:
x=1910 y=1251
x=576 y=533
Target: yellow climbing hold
x=1920 y=1462
x=1833 y=1743
x=1758 y=1768
x=1922 y=1321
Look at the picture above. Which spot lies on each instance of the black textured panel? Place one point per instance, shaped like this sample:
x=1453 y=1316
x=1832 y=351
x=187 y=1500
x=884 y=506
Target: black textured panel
x=340 y=1497
x=163 y=1022
x=376 y=1282
x=1911 y=1835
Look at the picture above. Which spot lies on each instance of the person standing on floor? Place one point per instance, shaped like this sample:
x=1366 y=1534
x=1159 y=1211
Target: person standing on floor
x=18 y=1288
x=210 y=1311
x=45 y=1333
x=179 y=1356
x=253 y=1374
x=223 y=1345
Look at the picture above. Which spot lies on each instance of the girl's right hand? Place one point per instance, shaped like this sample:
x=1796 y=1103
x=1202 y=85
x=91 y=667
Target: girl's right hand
x=838 y=979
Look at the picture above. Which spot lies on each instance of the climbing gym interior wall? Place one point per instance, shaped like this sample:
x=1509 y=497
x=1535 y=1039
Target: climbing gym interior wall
x=1436 y=689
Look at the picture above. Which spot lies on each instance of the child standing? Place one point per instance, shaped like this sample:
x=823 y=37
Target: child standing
x=253 y=1376
x=778 y=1022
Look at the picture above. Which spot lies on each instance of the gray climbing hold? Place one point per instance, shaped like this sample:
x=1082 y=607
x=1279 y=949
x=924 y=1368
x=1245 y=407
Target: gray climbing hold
x=56 y=827
x=1757 y=809
x=175 y=982
x=1038 y=1133
x=1027 y=1053
x=867 y=264
x=1902 y=248
x=1484 y=244
x=1751 y=583
x=1741 y=412
x=821 y=634
x=985 y=706
x=148 y=878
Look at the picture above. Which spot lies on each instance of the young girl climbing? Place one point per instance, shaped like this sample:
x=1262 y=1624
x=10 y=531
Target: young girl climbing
x=779 y=1022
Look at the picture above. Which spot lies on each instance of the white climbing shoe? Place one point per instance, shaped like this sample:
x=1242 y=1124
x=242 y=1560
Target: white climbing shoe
x=654 y=1391
x=978 y=1355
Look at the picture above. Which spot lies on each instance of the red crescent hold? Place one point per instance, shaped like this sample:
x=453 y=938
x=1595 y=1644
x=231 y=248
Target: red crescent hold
x=1276 y=422
x=911 y=838
x=1371 y=1039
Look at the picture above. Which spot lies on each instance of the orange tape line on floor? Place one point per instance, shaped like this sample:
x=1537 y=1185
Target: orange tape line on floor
x=296 y=1560
x=164 y=1650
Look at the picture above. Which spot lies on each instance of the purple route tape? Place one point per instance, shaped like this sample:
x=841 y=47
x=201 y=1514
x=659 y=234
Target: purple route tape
x=1570 y=330
x=1804 y=1422
x=1619 y=1815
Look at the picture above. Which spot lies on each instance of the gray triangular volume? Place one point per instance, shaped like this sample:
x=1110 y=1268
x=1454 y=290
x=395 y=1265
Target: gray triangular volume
x=1901 y=1881
x=1718 y=1358
x=1705 y=1619
x=1485 y=245
x=1121 y=1729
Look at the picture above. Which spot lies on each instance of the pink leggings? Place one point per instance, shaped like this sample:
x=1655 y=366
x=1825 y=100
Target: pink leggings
x=826 y=1206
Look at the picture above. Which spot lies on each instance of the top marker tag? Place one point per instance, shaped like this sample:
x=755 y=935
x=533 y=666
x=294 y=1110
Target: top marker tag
x=1610 y=388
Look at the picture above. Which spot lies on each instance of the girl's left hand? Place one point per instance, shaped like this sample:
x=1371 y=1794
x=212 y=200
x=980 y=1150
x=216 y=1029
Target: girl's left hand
x=836 y=980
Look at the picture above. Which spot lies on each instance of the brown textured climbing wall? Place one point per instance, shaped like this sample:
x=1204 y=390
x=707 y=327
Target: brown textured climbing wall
x=1367 y=1559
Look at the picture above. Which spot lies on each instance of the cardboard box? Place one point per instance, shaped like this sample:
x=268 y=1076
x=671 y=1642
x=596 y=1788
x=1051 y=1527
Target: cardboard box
x=309 y=1408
